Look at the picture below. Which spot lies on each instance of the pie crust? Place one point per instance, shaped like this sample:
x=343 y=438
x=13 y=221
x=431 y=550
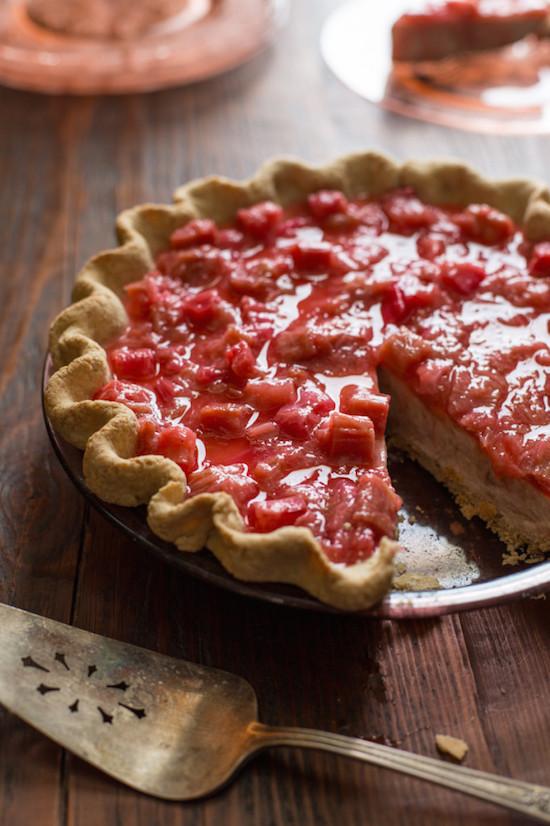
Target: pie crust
x=107 y=431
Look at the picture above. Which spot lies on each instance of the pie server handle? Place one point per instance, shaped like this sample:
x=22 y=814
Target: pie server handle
x=528 y=798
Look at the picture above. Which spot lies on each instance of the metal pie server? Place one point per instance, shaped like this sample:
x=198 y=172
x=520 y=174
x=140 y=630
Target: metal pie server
x=178 y=730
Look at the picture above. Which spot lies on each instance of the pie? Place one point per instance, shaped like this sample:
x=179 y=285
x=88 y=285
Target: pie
x=232 y=365
x=443 y=29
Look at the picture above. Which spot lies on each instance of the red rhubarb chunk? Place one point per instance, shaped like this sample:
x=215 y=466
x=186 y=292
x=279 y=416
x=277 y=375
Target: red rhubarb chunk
x=400 y=302
x=485 y=224
x=302 y=344
x=202 y=308
x=360 y=401
x=365 y=255
x=140 y=400
x=140 y=297
x=241 y=360
x=260 y=220
x=462 y=276
x=207 y=374
x=539 y=262
x=169 y=361
x=276 y=513
x=134 y=365
x=300 y=419
x=178 y=443
x=197 y=267
x=258 y=276
x=316 y=400
x=312 y=257
x=371 y=216
x=231 y=479
x=432 y=378
x=270 y=394
x=407 y=213
x=199 y=231
x=403 y=350
x=224 y=418
x=327 y=202
x=231 y=239
x=262 y=432
x=430 y=246
x=376 y=505
x=165 y=390
x=394 y=307
x=148 y=434
x=347 y=542
x=347 y=438
x=332 y=343
x=297 y=421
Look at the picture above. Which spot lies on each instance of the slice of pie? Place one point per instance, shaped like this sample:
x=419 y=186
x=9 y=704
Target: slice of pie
x=234 y=362
x=444 y=29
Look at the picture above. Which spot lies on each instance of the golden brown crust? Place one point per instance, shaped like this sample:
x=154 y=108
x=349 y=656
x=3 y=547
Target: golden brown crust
x=107 y=431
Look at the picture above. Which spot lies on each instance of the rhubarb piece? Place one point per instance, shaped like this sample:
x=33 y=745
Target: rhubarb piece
x=462 y=276
x=241 y=360
x=260 y=220
x=178 y=443
x=276 y=513
x=485 y=224
x=327 y=202
x=361 y=401
x=539 y=262
x=134 y=365
x=270 y=394
x=224 y=418
x=347 y=438
x=200 y=231
x=230 y=479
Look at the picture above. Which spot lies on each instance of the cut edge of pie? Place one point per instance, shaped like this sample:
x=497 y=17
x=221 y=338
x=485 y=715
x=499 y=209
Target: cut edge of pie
x=107 y=431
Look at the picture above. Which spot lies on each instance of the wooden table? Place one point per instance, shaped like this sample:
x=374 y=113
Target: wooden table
x=67 y=167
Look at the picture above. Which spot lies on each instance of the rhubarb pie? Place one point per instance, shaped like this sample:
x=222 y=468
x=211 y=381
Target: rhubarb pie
x=237 y=362
x=446 y=27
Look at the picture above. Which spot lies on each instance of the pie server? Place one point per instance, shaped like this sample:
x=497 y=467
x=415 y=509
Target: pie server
x=178 y=730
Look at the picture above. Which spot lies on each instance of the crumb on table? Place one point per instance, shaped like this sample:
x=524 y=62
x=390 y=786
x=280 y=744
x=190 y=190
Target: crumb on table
x=452 y=746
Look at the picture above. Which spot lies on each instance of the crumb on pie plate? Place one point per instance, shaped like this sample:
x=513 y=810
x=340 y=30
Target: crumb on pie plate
x=235 y=363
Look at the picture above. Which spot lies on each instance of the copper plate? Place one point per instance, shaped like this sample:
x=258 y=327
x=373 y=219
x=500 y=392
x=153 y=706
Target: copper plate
x=207 y=38
x=465 y=557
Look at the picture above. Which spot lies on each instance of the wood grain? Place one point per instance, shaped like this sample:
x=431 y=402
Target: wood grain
x=67 y=166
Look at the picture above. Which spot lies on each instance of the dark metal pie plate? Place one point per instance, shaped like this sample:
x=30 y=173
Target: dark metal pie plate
x=463 y=555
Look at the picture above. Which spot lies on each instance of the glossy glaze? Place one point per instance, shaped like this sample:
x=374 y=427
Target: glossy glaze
x=251 y=353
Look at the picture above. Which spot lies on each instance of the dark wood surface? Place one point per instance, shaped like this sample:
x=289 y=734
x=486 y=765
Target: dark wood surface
x=67 y=166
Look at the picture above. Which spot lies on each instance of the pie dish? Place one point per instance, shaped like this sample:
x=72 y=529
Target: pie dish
x=229 y=365
x=443 y=29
